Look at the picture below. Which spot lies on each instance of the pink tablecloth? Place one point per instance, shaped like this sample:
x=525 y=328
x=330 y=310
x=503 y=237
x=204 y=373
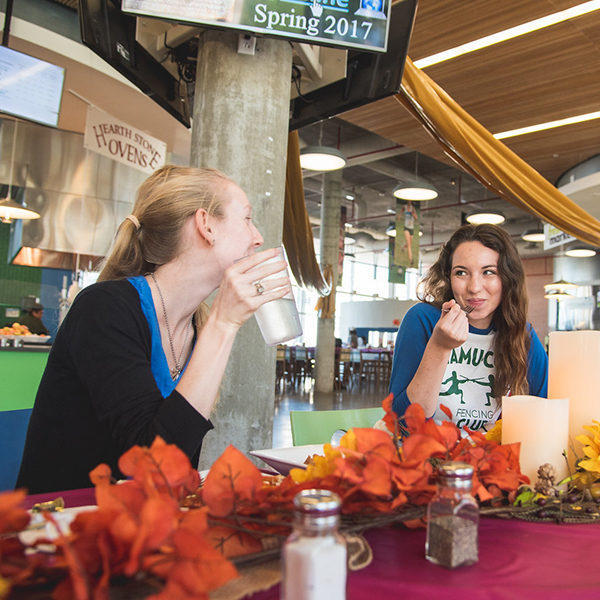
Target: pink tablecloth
x=517 y=561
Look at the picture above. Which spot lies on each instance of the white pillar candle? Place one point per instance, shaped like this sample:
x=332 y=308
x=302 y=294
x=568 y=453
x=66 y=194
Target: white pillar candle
x=542 y=427
x=574 y=373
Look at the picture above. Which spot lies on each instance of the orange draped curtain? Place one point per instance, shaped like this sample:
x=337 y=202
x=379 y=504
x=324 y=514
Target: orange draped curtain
x=487 y=159
x=297 y=231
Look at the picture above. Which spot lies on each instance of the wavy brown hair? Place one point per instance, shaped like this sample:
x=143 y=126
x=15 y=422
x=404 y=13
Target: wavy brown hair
x=512 y=341
x=164 y=203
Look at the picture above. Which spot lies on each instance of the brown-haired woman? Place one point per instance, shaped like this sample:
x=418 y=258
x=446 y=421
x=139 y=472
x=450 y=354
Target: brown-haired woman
x=138 y=355
x=468 y=342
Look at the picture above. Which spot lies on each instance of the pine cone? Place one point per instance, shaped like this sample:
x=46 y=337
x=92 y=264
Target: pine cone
x=547 y=474
x=545 y=489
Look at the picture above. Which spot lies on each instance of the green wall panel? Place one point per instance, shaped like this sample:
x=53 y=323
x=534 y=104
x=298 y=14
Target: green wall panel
x=20 y=376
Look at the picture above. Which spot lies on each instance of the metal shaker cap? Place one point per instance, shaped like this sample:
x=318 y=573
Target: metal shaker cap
x=320 y=503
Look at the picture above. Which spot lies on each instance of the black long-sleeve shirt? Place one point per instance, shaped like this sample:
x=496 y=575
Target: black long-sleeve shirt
x=98 y=396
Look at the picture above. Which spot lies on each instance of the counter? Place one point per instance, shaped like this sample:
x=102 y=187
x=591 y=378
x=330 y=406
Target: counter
x=21 y=370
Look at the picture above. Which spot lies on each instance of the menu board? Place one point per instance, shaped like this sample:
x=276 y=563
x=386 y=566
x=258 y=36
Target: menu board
x=360 y=24
x=29 y=87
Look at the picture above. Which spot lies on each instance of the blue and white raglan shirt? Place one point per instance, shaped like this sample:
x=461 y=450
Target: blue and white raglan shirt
x=467 y=384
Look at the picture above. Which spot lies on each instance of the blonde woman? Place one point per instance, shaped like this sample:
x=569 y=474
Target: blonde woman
x=138 y=355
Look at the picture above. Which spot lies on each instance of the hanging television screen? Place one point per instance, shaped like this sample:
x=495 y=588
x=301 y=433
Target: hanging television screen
x=343 y=23
x=30 y=88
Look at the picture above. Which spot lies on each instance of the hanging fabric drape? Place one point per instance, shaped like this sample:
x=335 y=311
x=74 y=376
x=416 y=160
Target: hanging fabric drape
x=297 y=232
x=487 y=159
x=326 y=304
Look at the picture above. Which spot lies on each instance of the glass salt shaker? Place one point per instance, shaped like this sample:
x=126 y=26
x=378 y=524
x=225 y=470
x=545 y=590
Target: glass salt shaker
x=314 y=556
x=453 y=518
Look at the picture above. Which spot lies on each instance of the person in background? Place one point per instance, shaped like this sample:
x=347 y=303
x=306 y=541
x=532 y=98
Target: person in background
x=33 y=320
x=138 y=354
x=353 y=338
x=468 y=343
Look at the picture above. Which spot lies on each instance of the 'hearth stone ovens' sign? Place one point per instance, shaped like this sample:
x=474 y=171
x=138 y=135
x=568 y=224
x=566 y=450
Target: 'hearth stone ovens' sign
x=121 y=142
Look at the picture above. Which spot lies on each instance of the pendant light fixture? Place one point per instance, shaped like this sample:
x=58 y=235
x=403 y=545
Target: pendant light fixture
x=580 y=252
x=561 y=285
x=416 y=191
x=533 y=235
x=493 y=217
x=321 y=158
x=557 y=295
x=391 y=230
x=9 y=209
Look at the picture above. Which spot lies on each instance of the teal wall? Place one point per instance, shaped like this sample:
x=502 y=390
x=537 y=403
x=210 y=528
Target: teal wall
x=15 y=281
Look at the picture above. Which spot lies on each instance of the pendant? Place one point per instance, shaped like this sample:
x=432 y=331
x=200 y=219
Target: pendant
x=175 y=373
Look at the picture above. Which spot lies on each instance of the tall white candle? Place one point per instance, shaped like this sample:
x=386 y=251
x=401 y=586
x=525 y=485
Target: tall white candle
x=542 y=427
x=574 y=373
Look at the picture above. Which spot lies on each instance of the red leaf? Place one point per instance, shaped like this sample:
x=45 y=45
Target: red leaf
x=446 y=411
x=231 y=479
x=12 y=517
x=391 y=418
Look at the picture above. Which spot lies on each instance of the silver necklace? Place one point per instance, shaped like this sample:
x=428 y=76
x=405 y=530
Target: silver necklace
x=176 y=371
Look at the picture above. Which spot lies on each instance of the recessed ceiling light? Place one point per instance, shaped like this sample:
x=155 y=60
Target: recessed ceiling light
x=549 y=125
x=508 y=34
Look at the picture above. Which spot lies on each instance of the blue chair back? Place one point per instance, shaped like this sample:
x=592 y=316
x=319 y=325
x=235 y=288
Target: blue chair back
x=13 y=429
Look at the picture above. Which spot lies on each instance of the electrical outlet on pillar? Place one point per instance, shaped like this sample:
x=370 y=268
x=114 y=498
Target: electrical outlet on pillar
x=246 y=44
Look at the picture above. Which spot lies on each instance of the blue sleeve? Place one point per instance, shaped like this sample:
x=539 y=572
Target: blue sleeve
x=414 y=333
x=537 y=370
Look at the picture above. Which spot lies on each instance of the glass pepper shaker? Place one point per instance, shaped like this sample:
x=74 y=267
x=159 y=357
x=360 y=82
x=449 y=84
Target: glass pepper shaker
x=314 y=556
x=453 y=518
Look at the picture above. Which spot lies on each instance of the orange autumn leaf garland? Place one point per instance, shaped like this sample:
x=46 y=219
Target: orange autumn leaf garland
x=139 y=528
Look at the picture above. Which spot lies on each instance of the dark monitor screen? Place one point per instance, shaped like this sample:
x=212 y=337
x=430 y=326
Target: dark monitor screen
x=111 y=34
x=370 y=76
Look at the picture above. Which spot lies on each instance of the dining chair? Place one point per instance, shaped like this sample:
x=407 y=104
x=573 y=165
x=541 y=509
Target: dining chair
x=369 y=368
x=300 y=364
x=13 y=429
x=385 y=367
x=317 y=426
x=282 y=368
x=343 y=369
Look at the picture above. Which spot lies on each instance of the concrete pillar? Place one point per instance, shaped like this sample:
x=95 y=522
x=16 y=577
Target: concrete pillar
x=240 y=126
x=330 y=246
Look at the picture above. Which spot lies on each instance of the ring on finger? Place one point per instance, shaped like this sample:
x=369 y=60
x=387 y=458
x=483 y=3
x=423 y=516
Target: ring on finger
x=259 y=288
